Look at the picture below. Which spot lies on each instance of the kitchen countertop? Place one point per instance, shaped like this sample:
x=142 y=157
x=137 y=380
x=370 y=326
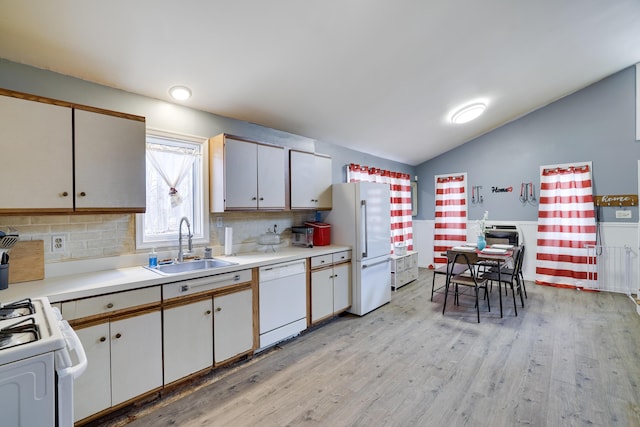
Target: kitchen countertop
x=84 y=285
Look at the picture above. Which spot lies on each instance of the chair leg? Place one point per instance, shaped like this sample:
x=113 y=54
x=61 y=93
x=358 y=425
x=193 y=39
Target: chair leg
x=513 y=292
x=523 y=285
x=433 y=285
x=520 y=284
x=446 y=293
x=477 y=304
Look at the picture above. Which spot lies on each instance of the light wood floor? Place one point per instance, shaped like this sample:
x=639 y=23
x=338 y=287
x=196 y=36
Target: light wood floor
x=570 y=358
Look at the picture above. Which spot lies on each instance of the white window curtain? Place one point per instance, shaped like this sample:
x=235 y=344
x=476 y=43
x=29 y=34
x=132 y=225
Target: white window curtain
x=400 y=186
x=451 y=214
x=172 y=163
x=566 y=224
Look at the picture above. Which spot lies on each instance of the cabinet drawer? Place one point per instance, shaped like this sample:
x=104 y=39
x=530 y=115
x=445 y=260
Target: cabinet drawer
x=189 y=287
x=341 y=256
x=321 y=260
x=109 y=303
x=411 y=261
x=400 y=264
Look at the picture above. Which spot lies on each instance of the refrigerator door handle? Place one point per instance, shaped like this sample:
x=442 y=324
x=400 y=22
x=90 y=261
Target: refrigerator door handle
x=375 y=263
x=363 y=224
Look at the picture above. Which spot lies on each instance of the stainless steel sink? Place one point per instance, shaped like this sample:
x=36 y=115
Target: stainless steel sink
x=188 y=266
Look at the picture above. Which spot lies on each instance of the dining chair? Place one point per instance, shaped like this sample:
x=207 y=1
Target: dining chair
x=520 y=276
x=511 y=277
x=457 y=269
x=471 y=278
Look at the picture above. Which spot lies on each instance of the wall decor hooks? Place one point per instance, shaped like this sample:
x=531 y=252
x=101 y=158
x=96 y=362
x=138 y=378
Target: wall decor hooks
x=617 y=200
x=476 y=198
x=528 y=193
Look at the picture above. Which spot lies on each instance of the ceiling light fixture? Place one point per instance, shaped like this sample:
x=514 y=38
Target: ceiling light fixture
x=180 y=93
x=468 y=113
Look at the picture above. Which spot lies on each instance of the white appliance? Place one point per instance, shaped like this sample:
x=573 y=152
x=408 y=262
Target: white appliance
x=360 y=218
x=283 y=301
x=40 y=355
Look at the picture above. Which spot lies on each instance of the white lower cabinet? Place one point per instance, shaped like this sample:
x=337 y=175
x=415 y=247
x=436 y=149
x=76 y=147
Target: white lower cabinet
x=188 y=339
x=232 y=324
x=341 y=287
x=330 y=285
x=404 y=269
x=92 y=389
x=125 y=360
x=207 y=321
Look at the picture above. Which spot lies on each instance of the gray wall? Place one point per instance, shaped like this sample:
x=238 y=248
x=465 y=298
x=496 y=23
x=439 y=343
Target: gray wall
x=594 y=124
x=173 y=117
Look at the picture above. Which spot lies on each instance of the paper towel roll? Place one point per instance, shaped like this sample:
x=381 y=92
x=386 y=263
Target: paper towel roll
x=228 y=241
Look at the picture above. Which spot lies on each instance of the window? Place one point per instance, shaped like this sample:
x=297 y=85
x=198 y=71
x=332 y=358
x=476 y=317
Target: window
x=177 y=186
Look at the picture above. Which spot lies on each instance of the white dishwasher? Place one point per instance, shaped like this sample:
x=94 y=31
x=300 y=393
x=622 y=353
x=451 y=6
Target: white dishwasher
x=283 y=301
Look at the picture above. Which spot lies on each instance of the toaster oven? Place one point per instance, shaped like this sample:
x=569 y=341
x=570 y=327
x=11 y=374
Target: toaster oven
x=302 y=236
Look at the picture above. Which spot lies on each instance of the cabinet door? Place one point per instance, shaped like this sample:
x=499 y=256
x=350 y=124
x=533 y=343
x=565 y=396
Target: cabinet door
x=323 y=179
x=136 y=356
x=109 y=162
x=302 y=169
x=232 y=324
x=270 y=177
x=188 y=339
x=321 y=294
x=341 y=287
x=240 y=174
x=310 y=181
x=92 y=389
x=37 y=153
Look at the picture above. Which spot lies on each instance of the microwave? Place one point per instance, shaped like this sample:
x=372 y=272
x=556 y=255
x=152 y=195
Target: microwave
x=302 y=236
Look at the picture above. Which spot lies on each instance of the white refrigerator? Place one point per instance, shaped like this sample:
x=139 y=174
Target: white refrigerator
x=360 y=218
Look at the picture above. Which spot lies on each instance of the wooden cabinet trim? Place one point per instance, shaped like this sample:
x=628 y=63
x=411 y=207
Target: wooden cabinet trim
x=58 y=102
x=126 y=313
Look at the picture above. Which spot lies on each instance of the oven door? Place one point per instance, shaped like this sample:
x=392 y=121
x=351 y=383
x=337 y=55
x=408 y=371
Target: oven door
x=27 y=392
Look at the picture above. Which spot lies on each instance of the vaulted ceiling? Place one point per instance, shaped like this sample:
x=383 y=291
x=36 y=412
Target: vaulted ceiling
x=376 y=76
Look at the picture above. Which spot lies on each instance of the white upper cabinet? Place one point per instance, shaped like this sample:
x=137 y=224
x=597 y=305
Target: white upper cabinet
x=310 y=180
x=246 y=175
x=51 y=147
x=37 y=150
x=110 y=162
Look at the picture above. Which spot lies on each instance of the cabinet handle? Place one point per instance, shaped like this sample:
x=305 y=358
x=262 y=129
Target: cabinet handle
x=64 y=194
x=110 y=305
x=261 y=198
x=335 y=275
x=254 y=198
x=218 y=308
x=103 y=339
x=82 y=194
x=118 y=335
x=208 y=312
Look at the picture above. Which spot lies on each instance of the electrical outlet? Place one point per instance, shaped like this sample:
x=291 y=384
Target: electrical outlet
x=219 y=221
x=58 y=242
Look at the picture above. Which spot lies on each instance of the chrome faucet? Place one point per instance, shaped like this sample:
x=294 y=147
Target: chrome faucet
x=189 y=235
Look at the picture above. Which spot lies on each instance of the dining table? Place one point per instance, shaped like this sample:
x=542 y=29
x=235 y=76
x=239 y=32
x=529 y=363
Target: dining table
x=497 y=255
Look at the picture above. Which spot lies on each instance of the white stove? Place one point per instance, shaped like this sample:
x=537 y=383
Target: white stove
x=39 y=357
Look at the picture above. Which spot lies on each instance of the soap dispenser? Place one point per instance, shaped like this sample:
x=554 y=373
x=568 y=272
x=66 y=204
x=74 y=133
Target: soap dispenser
x=153 y=258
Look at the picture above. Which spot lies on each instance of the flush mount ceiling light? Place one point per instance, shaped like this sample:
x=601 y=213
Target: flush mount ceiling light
x=468 y=113
x=180 y=93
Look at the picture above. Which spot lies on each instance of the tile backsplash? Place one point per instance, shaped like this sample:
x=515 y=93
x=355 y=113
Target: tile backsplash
x=99 y=236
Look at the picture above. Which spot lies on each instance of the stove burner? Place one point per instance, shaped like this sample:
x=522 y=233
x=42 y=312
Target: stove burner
x=17 y=309
x=22 y=332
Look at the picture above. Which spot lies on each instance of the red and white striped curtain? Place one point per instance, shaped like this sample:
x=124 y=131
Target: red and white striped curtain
x=451 y=214
x=400 y=185
x=566 y=224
